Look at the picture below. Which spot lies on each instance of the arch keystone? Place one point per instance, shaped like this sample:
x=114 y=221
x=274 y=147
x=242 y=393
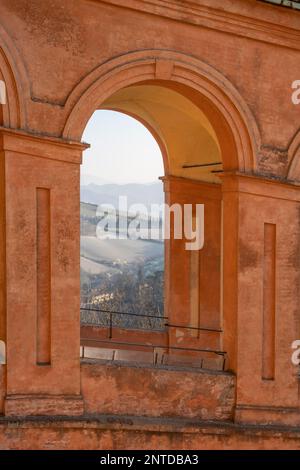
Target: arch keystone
x=164 y=69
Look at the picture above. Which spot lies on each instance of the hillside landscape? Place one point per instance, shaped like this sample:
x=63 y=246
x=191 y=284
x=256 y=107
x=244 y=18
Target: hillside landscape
x=119 y=274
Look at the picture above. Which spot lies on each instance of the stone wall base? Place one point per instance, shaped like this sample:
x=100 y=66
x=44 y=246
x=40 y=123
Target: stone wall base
x=42 y=405
x=114 y=388
x=266 y=415
x=129 y=433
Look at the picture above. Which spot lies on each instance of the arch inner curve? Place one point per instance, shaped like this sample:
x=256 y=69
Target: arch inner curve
x=187 y=139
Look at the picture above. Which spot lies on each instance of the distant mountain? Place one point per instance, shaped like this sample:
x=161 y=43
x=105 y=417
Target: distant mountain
x=146 y=194
x=88 y=179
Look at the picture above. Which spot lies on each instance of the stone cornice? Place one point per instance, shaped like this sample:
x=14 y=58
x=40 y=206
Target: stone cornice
x=236 y=182
x=21 y=142
x=266 y=30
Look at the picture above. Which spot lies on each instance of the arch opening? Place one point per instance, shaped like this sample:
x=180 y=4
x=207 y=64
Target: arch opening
x=2 y=99
x=3 y=114
x=193 y=157
x=2 y=353
x=122 y=250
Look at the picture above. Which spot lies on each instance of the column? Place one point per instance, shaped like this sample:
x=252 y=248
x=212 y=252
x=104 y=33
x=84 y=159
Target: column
x=42 y=272
x=261 y=296
x=193 y=278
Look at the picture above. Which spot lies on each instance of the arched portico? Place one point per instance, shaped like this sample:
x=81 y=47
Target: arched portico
x=213 y=125
x=242 y=250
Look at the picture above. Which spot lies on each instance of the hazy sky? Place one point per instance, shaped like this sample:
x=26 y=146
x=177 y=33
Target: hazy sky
x=122 y=151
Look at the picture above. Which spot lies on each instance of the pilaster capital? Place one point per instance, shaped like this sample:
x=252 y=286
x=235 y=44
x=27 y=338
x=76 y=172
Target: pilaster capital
x=53 y=148
x=190 y=188
x=257 y=185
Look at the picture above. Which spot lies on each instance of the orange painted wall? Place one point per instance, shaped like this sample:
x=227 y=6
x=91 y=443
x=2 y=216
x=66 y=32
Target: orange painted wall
x=60 y=61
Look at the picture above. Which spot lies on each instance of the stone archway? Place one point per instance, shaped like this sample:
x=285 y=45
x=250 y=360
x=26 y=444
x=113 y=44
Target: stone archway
x=225 y=118
x=225 y=108
x=12 y=115
x=49 y=171
x=62 y=61
x=13 y=73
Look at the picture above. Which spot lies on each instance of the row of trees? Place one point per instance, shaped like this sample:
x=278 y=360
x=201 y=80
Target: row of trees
x=136 y=290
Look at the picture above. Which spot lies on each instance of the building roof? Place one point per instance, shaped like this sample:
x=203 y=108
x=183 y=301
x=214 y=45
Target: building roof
x=285 y=3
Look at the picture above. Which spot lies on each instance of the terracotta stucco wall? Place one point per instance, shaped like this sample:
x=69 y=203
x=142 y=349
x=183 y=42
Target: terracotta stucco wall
x=60 y=43
x=59 y=59
x=153 y=391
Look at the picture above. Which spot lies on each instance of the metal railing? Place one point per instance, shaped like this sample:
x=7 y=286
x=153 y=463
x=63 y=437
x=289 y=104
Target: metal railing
x=154 y=347
x=111 y=313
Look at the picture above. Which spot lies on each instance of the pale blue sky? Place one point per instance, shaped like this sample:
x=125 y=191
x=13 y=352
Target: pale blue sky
x=122 y=151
